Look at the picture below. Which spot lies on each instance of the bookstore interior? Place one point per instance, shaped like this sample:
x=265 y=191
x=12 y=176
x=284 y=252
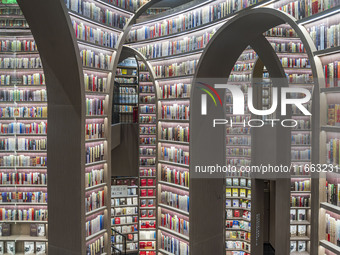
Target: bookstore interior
x=231 y=106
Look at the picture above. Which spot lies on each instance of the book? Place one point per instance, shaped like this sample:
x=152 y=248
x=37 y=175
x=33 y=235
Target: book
x=29 y=248
x=10 y=248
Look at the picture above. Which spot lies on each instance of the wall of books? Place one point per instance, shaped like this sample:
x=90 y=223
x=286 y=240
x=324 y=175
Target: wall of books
x=173 y=47
x=321 y=20
x=23 y=135
x=98 y=26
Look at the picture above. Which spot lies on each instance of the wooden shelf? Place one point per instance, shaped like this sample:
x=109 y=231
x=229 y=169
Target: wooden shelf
x=330 y=246
x=170 y=208
x=329 y=207
x=22 y=238
x=174 y=233
x=173 y=185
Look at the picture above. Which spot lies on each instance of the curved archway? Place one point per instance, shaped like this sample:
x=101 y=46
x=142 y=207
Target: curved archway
x=230 y=40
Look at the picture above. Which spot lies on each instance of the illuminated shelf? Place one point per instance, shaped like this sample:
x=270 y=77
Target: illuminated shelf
x=330 y=128
x=173 y=142
x=95 y=187
x=95 y=45
x=327 y=51
x=22 y=238
x=96 y=163
x=330 y=246
x=95 y=211
x=174 y=233
x=89 y=238
x=329 y=207
x=178 y=55
x=173 y=163
x=330 y=90
x=319 y=15
x=170 y=208
x=173 y=185
x=302 y=222
x=174 y=77
x=299 y=238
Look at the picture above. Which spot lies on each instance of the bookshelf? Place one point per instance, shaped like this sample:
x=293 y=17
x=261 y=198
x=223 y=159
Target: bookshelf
x=23 y=152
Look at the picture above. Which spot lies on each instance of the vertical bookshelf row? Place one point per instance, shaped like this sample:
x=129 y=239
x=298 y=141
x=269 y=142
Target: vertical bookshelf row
x=124 y=214
x=238 y=142
x=126 y=92
x=296 y=64
x=98 y=26
x=23 y=137
x=147 y=162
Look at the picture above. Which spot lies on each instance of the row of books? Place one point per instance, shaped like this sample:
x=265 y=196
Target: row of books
x=304 y=185
x=128 y=98
x=24 y=196
x=298 y=230
x=177 y=90
x=173 y=245
x=175 y=133
x=238 y=235
x=189 y=20
x=94 y=153
x=30 y=214
x=95 y=35
x=239 y=140
x=130 y=5
x=124 y=201
x=182 y=45
x=20 y=63
x=325 y=36
x=299 y=201
x=25 y=79
x=175 y=176
x=332 y=74
x=238 y=203
x=237 y=245
x=95 y=60
x=94 y=106
x=298 y=215
x=11 y=11
x=147 y=161
x=94 y=225
x=332 y=229
x=23 y=112
x=303 y=8
x=22 y=160
x=96 y=247
x=147 y=119
x=243 y=67
x=6 y=23
x=287 y=47
x=238 y=182
x=303 y=124
x=144 y=203
x=146 y=99
x=238 y=131
x=124 y=220
x=125 y=229
x=237 y=213
x=238 y=192
x=94 y=177
x=238 y=162
x=295 y=62
x=301 y=139
x=94 y=83
x=94 y=12
x=95 y=200
x=280 y=31
x=23 y=178
x=147 y=235
x=94 y=130
x=145 y=109
x=15 y=45
x=238 y=224
x=23 y=144
x=301 y=154
x=175 y=111
x=147 y=152
x=175 y=223
x=131 y=81
x=38 y=248
x=147 y=130
x=23 y=95
x=333 y=193
x=172 y=199
x=147 y=89
x=145 y=77
x=237 y=152
x=123 y=71
x=176 y=69
x=147 y=192
x=333 y=151
x=124 y=108
x=174 y=154
x=144 y=140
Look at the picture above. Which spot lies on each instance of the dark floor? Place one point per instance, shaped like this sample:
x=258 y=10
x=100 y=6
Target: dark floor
x=268 y=250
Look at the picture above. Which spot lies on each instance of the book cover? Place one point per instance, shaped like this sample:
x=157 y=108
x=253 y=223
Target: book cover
x=10 y=247
x=41 y=248
x=28 y=248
